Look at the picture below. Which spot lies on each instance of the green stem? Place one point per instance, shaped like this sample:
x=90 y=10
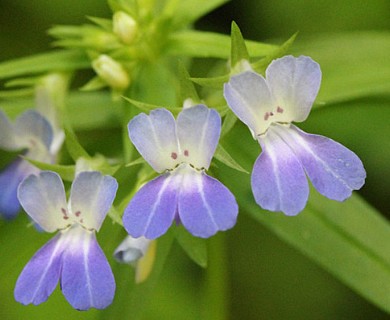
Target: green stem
x=216 y=295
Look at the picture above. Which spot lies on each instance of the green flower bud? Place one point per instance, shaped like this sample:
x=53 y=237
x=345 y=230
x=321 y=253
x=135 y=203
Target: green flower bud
x=125 y=27
x=111 y=71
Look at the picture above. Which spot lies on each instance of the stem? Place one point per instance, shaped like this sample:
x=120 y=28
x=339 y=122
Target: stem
x=215 y=306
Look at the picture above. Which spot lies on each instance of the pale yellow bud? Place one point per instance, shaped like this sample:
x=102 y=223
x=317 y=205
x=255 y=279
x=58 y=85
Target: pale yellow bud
x=125 y=27
x=111 y=71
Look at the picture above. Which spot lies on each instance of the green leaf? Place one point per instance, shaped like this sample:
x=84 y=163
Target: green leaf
x=262 y=64
x=73 y=146
x=187 y=88
x=140 y=160
x=196 y=248
x=222 y=155
x=213 y=82
x=210 y=45
x=95 y=83
x=133 y=299
x=229 y=121
x=239 y=51
x=62 y=60
x=359 y=67
x=114 y=214
x=106 y=24
x=186 y=12
x=348 y=239
x=146 y=107
x=66 y=172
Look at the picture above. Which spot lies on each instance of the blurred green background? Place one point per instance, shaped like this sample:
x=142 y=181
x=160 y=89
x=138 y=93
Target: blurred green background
x=264 y=278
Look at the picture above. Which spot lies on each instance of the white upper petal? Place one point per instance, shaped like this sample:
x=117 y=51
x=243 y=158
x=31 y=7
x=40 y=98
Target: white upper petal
x=43 y=198
x=198 y=129
x=294 y=83
x=91 y=197
x=248 y=95
x=7 y=134
x=155 y=138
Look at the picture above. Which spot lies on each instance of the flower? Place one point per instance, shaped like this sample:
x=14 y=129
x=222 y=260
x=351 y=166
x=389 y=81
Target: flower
x=73 y=256
x=33 y=133
x=181 y=150
x=268 y=106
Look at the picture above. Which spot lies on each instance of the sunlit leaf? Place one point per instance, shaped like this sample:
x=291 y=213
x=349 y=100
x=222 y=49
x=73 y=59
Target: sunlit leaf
x=210 y=45
x=61 y=60
x=66 y=172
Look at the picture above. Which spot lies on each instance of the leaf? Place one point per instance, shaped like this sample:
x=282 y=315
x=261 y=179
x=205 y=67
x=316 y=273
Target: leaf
x=229 y=121
x=262 y=64
x=114 y=214
x=195 y=248
x=348 y=239
x=61 y=60
x=201 y=44
x=187 y=88
x=213 y=82
x=359 y=67
x=66 y=172
x=186 y=12
x=73 y=146
x=238 y=48
x=132 y=299
x=140 y=160
x=222 y=155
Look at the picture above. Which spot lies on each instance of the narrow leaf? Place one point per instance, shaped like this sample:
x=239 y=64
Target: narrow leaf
x=349 y=239
x=73 y=146
x=210 y=45
x=196 y=248
x=228 y=122
x=222 y=155
x=62 y=60
x=66 y=172
x=262 y=64
x=238 y=48
x=187 y=88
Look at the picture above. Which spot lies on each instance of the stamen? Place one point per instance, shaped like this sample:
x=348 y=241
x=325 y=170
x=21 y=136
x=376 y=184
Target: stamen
x=279 y=109
x=65 y=214
x=174 y=155
x=77 y=213
x=186 y=153
x=266 y=116
x=271 y=113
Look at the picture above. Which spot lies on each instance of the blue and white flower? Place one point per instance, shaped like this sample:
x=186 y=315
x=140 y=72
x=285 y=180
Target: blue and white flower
x=32 y=133
x=268 y=106
x=181 y=151
x=73 y=256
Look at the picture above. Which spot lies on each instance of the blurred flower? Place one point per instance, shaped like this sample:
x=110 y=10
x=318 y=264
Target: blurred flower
x=73 y=256
x=30 y=132
x=111 y=71
x=267 y=107
x=182 y=150
x=125 y=27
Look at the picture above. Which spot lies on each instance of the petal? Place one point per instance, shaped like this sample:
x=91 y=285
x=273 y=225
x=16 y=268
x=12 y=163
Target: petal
x=155 y=138
x=278 y=180
x=10 y=179
x=86 y=278
x=248 y=95
x=40 y=276
x=7 y=134
x=294 y=83
x=32 y=128
x=206 y=205
x=91 y=197
x=43 y=199
x=198 y=129
x=151 y=211
x=131 y=249
x=333 y=169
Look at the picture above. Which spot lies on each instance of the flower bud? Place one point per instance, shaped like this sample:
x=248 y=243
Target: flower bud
x=111 y=71
x=125 y=27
